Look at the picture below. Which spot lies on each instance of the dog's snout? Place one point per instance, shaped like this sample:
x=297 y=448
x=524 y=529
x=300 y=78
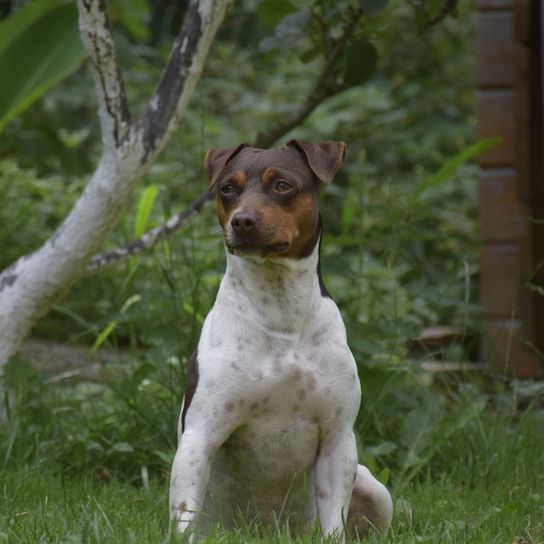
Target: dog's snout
x=243 y=222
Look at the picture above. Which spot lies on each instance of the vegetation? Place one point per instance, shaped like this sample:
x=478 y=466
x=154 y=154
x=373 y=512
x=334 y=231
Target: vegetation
x=89 y=465
x=88 y=461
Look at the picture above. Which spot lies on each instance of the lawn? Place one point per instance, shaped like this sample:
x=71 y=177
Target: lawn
x=483 y=484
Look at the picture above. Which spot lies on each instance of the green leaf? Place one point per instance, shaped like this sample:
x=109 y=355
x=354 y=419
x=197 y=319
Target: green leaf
x=166 y=458
x=17 y=23
x=383 y=448
x=145 y=205
x=129 y=302
x=465 y=415
x=433 y=7
x=361 y=60
x=103 y=336
x=451 y=166
x=349 y=211
x=384 y=476
x=132 y=15
x=189 y=308
x=373 y=7
x=39 y=46
x=271 y=12
x=404 y=508
x=420 y=423
x=123 y=447
x=145 y=478
x=310 y=55
x=289 y=31
x=94 y=445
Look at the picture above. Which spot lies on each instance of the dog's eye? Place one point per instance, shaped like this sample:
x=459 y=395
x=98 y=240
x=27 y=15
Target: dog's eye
x=282 y=187
x=227 y=189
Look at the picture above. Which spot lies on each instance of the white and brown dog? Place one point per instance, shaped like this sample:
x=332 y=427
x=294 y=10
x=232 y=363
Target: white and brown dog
x=266 y=427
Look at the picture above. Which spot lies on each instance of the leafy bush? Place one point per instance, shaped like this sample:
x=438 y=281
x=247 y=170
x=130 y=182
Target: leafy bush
x=32 y=208
x=400 y=261
x=124 y=428
x=400 y=230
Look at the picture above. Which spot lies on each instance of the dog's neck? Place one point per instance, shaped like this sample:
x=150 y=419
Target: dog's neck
x=277 y=294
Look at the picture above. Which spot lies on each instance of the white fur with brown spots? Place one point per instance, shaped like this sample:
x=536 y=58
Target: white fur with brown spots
x=267 y=429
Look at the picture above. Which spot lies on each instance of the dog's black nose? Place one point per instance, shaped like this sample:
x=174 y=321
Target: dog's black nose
x=243 y=222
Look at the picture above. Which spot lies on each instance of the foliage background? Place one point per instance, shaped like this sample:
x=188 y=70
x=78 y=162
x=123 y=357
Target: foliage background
x=395 y=258
x=408 y=258
x=400 y=251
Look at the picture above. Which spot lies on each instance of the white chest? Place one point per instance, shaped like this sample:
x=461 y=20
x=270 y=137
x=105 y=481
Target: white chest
x=274 y=368
x=280 y=381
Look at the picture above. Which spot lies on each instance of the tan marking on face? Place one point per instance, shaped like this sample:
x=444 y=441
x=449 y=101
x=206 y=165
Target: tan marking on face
x=239 y=179
x=182 y=506
x=268 y=176
x=304 y=214
x=222 y=214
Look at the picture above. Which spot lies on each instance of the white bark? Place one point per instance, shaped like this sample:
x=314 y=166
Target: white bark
x=96 y=36
x=30 y=286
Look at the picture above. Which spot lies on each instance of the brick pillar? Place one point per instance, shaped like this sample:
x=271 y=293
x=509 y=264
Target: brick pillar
x=511 y=186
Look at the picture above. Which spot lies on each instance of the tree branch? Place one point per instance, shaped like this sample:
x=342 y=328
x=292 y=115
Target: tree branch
x=149 y=239
x=170 y=98
x=96 y=35
x=447 y=8
x=31 y=285
x=324 y=88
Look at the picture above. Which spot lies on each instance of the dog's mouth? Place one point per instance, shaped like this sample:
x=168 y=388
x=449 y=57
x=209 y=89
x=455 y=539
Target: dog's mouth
x=260 y=250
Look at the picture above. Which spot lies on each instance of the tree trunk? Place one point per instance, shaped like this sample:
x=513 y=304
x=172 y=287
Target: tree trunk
x=30 y=286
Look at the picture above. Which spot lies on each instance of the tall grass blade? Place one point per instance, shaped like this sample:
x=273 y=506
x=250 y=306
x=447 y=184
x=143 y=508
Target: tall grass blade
x=145 y=205
x=450 y=167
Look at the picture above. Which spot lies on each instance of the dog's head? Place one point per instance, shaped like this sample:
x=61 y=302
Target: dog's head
x=267 y=198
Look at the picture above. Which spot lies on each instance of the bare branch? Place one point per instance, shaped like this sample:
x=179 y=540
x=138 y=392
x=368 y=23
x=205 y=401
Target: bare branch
x=447 y=8
x=181 y=73
x=96 y=35
x=324 y=30
x=324 y=88
x=149 y=239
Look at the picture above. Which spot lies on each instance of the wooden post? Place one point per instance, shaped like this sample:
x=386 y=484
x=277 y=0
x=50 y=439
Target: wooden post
x=509 y=103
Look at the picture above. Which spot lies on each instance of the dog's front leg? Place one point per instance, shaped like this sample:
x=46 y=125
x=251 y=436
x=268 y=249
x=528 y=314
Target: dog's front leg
x=190 y=475
x=336 y=466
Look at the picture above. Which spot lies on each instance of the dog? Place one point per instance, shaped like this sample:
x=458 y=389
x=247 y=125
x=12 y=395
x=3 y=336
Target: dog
x=266 y=425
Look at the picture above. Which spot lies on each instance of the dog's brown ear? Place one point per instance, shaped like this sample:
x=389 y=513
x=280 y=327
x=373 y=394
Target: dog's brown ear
x=324 y=159
x=217 y=159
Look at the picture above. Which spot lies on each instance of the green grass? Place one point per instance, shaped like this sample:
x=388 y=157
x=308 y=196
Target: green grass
x=486 y=486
